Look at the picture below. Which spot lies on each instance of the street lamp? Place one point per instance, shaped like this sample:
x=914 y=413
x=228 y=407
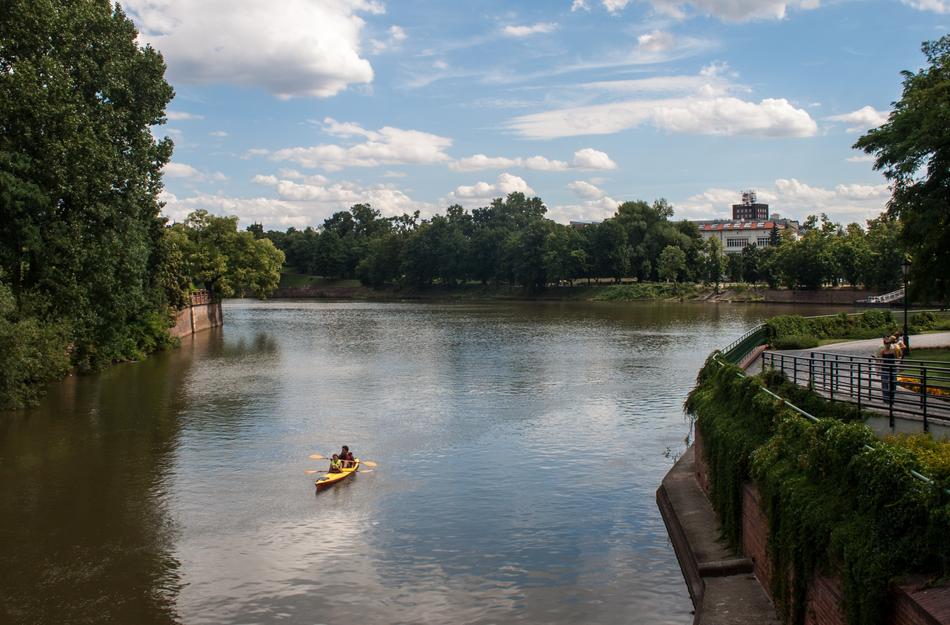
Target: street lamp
x=905 y=270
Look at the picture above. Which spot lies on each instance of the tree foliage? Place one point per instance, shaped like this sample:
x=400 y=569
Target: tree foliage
x=913 y=151
x=80 y=226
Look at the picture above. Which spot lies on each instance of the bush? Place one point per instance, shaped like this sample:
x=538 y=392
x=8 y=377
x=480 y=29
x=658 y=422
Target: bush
x=797 y=341
x=32 y=353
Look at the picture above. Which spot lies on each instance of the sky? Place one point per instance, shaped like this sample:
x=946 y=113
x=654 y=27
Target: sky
x=286 y=112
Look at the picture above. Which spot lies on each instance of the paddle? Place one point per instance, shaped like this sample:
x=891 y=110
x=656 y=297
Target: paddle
x=368 y=463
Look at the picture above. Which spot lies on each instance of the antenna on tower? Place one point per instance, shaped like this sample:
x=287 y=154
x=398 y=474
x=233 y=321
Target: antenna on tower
x=748 y=197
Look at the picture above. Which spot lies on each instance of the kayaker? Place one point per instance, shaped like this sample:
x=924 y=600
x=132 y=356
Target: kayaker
x=335 y=464
x=346 y=457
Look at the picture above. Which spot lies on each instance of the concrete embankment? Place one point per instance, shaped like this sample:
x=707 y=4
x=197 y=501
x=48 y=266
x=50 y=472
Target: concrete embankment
x=721 y=583
x=202 y=314
x=733 y=587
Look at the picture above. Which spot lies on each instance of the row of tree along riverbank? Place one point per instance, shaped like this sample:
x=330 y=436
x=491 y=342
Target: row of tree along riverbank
x=298 y=286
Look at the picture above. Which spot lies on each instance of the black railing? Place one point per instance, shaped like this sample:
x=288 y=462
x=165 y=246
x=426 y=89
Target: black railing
x=916 y=388
x=736 y=351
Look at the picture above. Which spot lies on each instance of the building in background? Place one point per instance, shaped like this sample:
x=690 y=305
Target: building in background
x=749 y=209
x=750 y=225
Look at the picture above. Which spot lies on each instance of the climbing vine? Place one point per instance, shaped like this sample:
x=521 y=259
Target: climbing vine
x=837 y=499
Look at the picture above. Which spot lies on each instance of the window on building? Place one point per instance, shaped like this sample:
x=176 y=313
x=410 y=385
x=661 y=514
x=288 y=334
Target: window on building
x=730 y=242
x=763 y=241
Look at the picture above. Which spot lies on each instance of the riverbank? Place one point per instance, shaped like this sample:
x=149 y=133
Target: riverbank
x=296 y=286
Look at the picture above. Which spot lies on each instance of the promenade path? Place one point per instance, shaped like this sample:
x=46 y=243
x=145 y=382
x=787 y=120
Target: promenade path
x=848 y=371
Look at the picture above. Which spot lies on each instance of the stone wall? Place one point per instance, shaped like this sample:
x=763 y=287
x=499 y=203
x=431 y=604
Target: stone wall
x=202 y=314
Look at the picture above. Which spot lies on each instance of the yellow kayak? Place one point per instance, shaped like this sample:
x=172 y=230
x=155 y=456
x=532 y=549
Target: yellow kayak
x=332 y=478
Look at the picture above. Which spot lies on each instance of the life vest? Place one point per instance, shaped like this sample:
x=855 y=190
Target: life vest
x=335 y=465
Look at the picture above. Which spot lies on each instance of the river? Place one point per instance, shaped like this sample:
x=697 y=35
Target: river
x=519 y=448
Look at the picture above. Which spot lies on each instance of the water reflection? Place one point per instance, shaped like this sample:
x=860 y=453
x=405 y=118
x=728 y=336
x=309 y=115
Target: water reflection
x=519 y=446
x=84 y=523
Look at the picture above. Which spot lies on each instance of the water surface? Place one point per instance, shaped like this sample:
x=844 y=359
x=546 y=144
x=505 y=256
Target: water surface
x=519 y=450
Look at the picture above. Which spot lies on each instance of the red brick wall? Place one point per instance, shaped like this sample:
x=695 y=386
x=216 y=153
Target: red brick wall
x=823 y=601
x=755 y=536
x=702 y=469
x=911 y=604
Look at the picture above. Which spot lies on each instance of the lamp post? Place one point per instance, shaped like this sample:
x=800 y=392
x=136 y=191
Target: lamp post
x=905 y=270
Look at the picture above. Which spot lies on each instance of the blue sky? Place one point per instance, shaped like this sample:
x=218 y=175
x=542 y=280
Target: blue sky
x=287 y=112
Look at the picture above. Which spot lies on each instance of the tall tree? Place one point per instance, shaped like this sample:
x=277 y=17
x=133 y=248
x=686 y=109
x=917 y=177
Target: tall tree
x=913 y=151
x=79 y=215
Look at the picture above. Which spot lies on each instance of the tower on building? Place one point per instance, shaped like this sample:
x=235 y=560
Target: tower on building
x=750 y=209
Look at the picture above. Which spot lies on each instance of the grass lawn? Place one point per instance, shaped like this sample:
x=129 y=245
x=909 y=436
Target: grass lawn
x=940 y=354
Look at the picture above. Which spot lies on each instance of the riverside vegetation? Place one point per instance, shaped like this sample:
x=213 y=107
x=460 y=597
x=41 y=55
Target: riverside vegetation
x=838 y=500
x=796 y=332
x=90 y=273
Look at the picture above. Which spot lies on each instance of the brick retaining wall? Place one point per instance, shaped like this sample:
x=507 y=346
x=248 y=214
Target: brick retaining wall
x=912 y=602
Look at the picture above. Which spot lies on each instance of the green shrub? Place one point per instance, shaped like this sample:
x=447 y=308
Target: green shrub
x=795 y=342
x=32 y=353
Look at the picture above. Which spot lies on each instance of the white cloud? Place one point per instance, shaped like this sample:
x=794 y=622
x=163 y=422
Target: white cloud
x=176 y=116
x=727 y=10
x=397 y=35
x=304 y=49
x=481 y=193
x=862 y=119
x=301 y=201
x=578 y=5
x=712 y=80
x=697 y=115
x=586 y=190
x=595 y=204
x=794 y=199
x=657 y=41
x=527 y=31
x=481 y=161
x=861 y=158
x=587 y=158
x=272 y=213
x=937 y=6
x=386 y=146
x=187 y=172
x=540 y=163
x=615 y=6
x=218 y=133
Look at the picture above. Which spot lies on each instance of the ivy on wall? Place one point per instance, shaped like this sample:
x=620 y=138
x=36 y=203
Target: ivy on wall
x=837 y=499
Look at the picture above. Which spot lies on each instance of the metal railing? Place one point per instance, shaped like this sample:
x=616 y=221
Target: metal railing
x=886 y=298
x=916 y=388
x=736 y=351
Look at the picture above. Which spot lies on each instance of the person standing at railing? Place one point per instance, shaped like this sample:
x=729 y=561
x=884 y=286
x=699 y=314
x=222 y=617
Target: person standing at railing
x=889 y=354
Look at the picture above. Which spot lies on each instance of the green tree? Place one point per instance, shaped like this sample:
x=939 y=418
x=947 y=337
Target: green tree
x=913 y=151
x=79 y=216
x=714 y=261
x=672 y=263
x=226 y=261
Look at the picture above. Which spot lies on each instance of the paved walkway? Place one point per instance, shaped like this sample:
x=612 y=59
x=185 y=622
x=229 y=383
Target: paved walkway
x=830 y=373
x=870 y=347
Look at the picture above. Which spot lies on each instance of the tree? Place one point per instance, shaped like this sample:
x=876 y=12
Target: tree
x=79 y=216
x=913 y=151
x=225 y=261
x=672 y=263
x=714 y=261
